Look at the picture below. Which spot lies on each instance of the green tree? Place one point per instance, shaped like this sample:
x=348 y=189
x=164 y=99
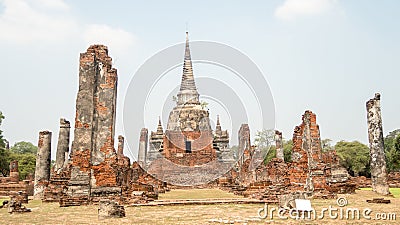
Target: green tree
x=25 y=153
x=26 y=164
x=24 y=147
x=326 y=145
x=263 y=141
x=392 y=150
x=354 y=156
x=4 y=153
x=287 y=152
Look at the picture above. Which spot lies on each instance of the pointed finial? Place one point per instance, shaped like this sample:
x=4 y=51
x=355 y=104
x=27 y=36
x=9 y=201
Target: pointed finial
x=218 y=129
x=159 y=127
x=187 y=50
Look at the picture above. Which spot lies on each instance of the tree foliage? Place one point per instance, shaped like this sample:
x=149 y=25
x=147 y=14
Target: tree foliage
x=26 y=163
x=4 y=153
x=326 y=145
x=392 y=150
x=25 y=153
x=354 y=156
x=263 y=141
x=24 y=147
x=287 y=152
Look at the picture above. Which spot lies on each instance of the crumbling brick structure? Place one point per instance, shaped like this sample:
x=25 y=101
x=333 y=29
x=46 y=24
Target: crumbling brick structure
x=95 y=170
x=94 y=164
x=12 y=186
x=315 y=173
x=307 y=166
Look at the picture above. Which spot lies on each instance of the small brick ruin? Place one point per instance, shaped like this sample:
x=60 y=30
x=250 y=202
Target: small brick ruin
x=110 y=209
x=15 y=205
x=12 y=186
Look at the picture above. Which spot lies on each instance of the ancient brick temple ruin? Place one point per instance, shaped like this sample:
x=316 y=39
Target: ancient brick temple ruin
x=188 y=146
x=187 y=153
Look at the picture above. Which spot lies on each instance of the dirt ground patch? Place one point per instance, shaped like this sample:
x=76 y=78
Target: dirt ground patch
x=51 y=213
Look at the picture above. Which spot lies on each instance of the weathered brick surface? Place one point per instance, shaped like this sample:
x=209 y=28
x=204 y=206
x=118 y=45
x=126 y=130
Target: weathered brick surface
x=42 y=169
x=95 y=170
x=12 y=186
x=93 y=155
x=62 y=146
x=376 y=146
x=202 y=148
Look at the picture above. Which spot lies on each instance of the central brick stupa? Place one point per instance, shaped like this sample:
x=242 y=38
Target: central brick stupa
x=188 y=139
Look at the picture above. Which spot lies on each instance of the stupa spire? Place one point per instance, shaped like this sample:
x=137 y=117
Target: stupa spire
x=188 y=92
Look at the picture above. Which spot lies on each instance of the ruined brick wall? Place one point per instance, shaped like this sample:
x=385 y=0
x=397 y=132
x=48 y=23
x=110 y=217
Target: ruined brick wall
x=307 y=166
x=93 y=156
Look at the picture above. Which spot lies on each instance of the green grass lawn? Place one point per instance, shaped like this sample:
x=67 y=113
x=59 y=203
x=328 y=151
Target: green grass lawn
x=197 y=194
x=394 y=191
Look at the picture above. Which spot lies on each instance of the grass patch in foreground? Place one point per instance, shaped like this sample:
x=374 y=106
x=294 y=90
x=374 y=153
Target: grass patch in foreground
x=394 y=191
x=197 y=194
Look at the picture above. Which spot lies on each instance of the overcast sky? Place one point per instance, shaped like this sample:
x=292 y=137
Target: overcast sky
x=329 y=56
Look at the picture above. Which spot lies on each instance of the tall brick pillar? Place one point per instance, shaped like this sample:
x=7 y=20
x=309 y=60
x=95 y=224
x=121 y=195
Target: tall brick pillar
x=278 y=145
x=376 y=146
x=93 y=156
x=121 y=140
x=142 y=155
x=62 y=146
x=42 y=171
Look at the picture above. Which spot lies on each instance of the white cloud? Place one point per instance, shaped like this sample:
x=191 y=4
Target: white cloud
x=28 y=21
x=32 y=21
x=118 y=40
x=292 y=9
x=53 y=4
